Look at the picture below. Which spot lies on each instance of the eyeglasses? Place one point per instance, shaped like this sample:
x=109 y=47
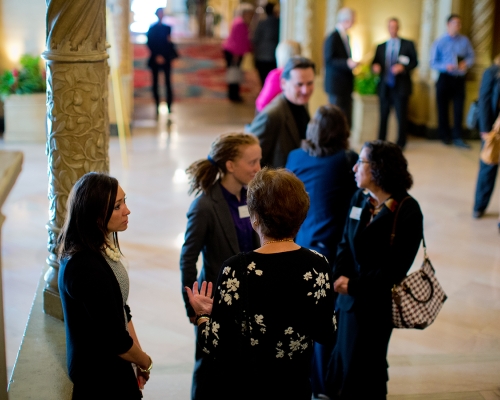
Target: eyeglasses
x=361 y=161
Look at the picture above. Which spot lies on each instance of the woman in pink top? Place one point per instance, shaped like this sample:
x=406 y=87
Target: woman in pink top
x=237 y=44
x=272 y=85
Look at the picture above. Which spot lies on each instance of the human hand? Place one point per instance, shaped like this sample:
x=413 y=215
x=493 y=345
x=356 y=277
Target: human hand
x=451 y=67
x=397 y=69
x=201 y=301
x=159 y=60
x=142 y=378
x=341 y=284
x=462 y=66
x=351 y=63
x=376 y=68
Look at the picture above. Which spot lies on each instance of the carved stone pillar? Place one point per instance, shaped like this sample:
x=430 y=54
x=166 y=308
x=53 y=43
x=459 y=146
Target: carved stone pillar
x=77 y=113
x=482 y=34
x=303 y=25
x=332 y=7
x=427 y=35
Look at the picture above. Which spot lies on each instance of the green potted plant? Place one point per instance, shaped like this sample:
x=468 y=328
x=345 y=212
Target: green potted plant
x=365 y=105
x=23 y=92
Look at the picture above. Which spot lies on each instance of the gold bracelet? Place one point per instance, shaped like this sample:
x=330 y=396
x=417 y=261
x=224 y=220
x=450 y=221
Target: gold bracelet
x=200 y=320
x=149 y=368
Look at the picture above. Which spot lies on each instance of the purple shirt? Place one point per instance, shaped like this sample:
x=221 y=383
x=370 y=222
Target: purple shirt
x=244 y=229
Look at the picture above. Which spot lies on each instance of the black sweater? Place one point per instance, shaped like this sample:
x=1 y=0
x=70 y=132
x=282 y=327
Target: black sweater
x=95 y=329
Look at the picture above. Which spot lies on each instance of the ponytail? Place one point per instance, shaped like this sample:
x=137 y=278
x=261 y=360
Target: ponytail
x=204 y=173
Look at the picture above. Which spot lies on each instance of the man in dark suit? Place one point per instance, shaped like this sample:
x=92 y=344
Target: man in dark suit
x=282 y=124
x=394 y=60
x=339 y=80
x=489 y=109
x=162 y=53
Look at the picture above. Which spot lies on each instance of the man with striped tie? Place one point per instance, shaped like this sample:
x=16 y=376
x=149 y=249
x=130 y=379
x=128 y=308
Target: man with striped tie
x=394 y=60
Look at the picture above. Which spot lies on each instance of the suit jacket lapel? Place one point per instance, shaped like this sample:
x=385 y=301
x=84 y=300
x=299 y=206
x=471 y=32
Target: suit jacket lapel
x=290 y=123
x=225 y=219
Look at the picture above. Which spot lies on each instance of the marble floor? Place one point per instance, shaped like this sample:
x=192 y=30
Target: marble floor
x=458 y=357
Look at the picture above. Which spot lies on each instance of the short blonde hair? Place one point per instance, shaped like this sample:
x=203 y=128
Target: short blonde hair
x=244 y=8
x=286 y=50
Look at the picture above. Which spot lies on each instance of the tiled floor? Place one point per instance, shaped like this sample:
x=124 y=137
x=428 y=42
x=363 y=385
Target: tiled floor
x=456 y=358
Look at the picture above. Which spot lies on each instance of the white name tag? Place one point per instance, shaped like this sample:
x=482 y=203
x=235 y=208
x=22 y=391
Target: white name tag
x=355 y=213
x=404 y=60
x=243 y=210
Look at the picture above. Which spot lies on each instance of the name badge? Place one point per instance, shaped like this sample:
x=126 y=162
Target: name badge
x=355 y=213
x=243 y=211
x=404 y=60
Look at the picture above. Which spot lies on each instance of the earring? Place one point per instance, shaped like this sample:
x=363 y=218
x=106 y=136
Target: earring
x=255 y=223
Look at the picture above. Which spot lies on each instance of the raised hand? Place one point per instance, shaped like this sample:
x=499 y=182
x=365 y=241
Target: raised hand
x=201 y=301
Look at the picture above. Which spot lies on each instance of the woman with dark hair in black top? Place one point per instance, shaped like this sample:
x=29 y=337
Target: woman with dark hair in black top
x=101 y=343
x=366 y=268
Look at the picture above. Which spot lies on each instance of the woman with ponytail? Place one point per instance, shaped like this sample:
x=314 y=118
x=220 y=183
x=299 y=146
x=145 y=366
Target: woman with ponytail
x=218 y=222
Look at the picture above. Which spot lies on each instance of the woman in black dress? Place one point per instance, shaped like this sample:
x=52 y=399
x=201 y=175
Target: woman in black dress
x=367 y=267
x=101 y=343
x=269 y=304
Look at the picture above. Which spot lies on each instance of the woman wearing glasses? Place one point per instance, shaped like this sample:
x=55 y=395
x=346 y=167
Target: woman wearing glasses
x=366 y=268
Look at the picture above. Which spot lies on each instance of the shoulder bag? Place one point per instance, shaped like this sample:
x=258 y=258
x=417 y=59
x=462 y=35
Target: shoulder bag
x=418 y=298
x=490 y=152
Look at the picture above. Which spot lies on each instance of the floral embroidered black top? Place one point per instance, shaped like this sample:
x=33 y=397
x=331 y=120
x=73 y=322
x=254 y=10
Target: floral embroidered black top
x=268 y=309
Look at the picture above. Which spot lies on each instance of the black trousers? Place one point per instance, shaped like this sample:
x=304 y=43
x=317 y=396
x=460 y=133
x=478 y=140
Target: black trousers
x=400 y=104
x=450 y=88
x=264 y=67
x=155 y=69
x=344 y=102
x=486 y=178
x=233 y=89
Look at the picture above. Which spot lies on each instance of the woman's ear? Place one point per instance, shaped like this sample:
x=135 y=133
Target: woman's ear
x=230 y=166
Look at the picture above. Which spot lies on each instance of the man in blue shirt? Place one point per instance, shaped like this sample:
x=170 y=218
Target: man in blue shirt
x=452 y=55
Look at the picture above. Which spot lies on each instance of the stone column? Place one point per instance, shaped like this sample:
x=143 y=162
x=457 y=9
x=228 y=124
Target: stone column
x=77 y=113
x=120 y=14
x=482 y=34
x=427 y=35
x=332 y=7
x=303 y=22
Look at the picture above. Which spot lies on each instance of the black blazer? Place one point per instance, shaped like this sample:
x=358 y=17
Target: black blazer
x=489 y=95
x=277 y=132
x=159 y=43
x=95 y=321
x=403 y=80
x=339 y=79
x=210 y=231
x=366 y=257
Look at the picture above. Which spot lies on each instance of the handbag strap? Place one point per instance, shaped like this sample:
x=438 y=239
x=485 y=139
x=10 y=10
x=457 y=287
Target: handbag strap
x=393 y=233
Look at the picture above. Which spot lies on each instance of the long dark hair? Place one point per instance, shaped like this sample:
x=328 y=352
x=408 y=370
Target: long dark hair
x=227 y=147
x=89 y=209
x=327 y=133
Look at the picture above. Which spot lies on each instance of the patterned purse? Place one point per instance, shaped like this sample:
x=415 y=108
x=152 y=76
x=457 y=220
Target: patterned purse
x=418 y=298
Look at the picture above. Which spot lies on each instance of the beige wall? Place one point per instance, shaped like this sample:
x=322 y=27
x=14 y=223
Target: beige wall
x=371 y=23
x=22 y=27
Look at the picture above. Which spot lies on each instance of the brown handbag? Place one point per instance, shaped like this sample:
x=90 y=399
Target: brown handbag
x=490 y=153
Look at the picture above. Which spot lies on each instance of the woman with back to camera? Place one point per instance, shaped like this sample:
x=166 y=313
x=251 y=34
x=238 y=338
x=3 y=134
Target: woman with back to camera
x=218 y=224
x=270 y=304
x=324 y=164
x=101 y=342
x=366 y=268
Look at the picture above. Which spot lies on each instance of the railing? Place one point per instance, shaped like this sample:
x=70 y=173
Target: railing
x=10 y=167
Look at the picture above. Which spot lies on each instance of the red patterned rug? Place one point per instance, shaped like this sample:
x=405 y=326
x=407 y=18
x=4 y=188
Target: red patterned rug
x=197 y=75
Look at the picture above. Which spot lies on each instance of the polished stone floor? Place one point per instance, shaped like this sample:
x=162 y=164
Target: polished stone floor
x=458 y=357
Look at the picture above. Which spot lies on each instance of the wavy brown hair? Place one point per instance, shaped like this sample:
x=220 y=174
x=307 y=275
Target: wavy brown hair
x=389 y=167
x=205 y=172
x=327 y=133
x=279 y=201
